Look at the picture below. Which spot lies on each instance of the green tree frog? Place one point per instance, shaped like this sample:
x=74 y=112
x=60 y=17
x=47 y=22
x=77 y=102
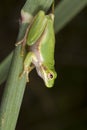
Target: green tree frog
x=40 y=39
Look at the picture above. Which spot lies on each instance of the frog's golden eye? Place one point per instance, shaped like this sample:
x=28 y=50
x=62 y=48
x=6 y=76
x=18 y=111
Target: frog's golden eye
x=50 y=76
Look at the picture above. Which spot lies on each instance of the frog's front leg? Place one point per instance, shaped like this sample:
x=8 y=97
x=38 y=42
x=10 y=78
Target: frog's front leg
x=27 y=65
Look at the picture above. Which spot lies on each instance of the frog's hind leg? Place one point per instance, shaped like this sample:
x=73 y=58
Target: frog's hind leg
x=23 y=41
x=29 y=70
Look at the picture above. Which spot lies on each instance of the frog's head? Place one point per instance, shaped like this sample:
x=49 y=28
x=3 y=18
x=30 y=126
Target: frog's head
x=48 y=76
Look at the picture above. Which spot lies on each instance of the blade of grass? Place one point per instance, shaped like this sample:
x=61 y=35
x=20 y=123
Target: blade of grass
x=67 y=10
x=64 y=12
x=4 y=67
x=14 y=89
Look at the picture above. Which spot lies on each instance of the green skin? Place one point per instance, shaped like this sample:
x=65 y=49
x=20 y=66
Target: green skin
x=41 y=41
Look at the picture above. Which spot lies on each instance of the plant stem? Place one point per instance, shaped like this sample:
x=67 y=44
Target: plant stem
x=67 y=10
x=14 y=89
x=4 y=67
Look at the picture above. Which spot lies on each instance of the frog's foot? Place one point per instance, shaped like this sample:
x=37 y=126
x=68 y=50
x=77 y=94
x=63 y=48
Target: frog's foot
x=20 y=42
x=26 y=71
x=23 y=41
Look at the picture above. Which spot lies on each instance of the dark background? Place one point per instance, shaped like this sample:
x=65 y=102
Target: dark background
x=64 y=107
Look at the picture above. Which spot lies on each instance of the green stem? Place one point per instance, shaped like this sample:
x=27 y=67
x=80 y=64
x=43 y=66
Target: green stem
x=14 y=89
x=67 y=10
x=4 y=67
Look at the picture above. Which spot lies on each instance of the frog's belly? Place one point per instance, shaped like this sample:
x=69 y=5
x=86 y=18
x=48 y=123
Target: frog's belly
x=38 y=59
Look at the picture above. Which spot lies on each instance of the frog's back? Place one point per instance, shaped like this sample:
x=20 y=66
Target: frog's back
x=48 y=45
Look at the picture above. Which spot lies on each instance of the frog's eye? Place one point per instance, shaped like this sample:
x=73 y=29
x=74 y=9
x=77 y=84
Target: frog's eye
x=50 y=76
